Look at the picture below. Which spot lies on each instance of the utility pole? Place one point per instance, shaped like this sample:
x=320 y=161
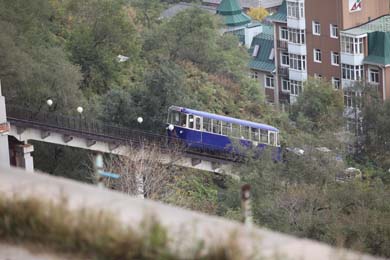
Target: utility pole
x=4 y=129
x=247 y=218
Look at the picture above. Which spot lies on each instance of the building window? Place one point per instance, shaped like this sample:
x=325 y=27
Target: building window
x=271 y=54
x=336 y=83
x=269 y=81
x=352 y=99
x=317 y=55
x=255 y=50
x=373 y=76
x=283 y=33
x=351 y=45
x=284 y=59
x=348 y=99
x=295 y=10
x=296 y=36
x=295 y=87
x=254 y=75
x=334 y=31
x=351 y=72
x=285 y=85
x=297 y=62
x=316 y=28
x=335 y=58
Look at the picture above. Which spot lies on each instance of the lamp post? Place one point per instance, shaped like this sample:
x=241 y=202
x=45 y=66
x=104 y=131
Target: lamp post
x=80 y=111
x=49 y=102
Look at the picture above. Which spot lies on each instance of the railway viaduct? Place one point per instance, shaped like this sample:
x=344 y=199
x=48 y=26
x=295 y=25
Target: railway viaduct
x=18 y=126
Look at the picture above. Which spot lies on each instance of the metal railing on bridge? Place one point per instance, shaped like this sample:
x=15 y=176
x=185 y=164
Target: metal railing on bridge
x=100 y=131
x=81 y=126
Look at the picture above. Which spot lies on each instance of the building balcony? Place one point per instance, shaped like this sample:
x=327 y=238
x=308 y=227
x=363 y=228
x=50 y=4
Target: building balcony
x=348 y=84
x=298 y=75
x=282 y=45
x=296 y=23
x=295 y=48
x=283 y=71
x=351 y=59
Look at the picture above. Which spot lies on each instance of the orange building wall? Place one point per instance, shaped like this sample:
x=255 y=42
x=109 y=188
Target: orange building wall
x=370 y=9
x=387 y=83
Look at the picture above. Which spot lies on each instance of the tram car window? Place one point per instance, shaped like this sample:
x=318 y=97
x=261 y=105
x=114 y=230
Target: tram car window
x=235 y=131
x=263 y=136
x=198 y=123
x=254 y=134
x=272 y=138
x=216 y=126
x=244 y=132
x=226 y=128
x=177 y=118
x=206 y=124
x=190 y=121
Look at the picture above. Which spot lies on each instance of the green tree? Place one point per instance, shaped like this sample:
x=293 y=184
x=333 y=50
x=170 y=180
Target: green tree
x=33 y=65
x=215 y=66
x=375 y=114
x=100 y=30
x=319 y=108
x=258 y=13
x=148 y=12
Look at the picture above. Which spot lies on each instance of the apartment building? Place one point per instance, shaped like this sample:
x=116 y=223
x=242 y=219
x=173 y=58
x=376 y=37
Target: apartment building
x=342 y=41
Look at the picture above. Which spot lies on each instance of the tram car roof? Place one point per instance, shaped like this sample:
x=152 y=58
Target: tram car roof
x=224 y=118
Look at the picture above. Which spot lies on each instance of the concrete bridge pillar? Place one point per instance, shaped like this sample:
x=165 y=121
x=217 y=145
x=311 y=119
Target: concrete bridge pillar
x=4 y=128
x=23 y=157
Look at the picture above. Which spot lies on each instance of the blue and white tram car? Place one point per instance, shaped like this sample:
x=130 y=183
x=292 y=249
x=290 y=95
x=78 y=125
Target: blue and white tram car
x=217 y=133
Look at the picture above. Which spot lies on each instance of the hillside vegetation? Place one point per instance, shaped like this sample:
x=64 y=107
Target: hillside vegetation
x=67 y=50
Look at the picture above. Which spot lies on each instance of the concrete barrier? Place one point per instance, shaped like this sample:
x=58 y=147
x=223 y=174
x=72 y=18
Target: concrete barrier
x=184 y=227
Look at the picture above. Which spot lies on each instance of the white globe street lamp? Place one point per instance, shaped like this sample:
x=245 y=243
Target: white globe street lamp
x=80 y=110
x=140 y=120
x=49 y=102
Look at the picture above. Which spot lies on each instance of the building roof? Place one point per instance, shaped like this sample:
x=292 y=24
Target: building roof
x=232 y=13
x=280 y=15
x=249 y=3
x=265 y=42
x=378 y=48
x=381 y=24
x=177 y=8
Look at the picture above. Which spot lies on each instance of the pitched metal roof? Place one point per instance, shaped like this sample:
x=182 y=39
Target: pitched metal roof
x=262 y=65
x=232 y=13
x=381 y=24
x=265 y=41
x=281 y=15
x=250 y=3
x=228 y=7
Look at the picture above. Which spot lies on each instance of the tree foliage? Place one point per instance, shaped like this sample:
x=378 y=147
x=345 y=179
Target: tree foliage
x=375 y=114
x=306 y=197
x=100 y=30
x=33 y=64
x=319 y=108
x=258 y=13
